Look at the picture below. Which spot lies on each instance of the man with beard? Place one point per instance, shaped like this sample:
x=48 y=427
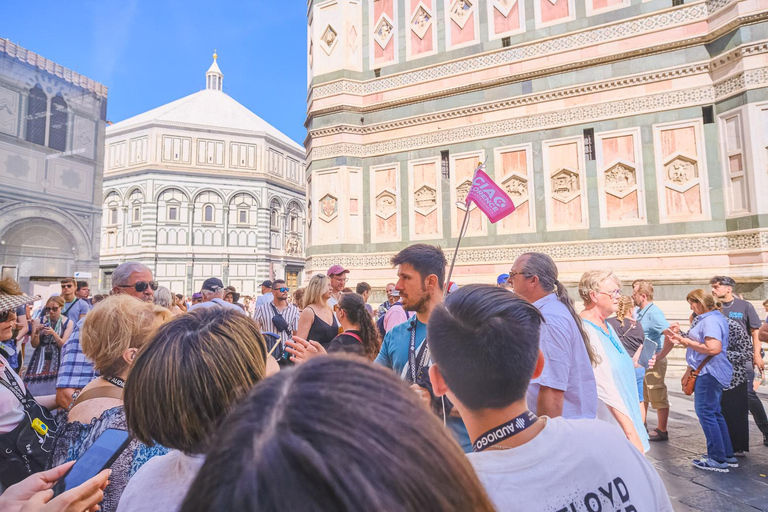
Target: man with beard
x=421 y=274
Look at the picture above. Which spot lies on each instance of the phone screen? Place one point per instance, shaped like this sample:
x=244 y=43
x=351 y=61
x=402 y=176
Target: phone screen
x=98 y=457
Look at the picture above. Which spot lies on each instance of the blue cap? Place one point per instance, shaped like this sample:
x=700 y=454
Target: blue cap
x=503 y=278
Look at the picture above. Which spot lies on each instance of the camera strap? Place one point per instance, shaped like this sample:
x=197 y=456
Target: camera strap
x=412 y=356
x=504 y=431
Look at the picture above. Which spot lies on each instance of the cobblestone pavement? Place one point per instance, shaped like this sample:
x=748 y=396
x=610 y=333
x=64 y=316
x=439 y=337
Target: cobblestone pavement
x=743 y=489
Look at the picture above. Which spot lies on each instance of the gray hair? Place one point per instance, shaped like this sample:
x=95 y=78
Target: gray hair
x=123 y=272
x=164 y=297
x=542 y=266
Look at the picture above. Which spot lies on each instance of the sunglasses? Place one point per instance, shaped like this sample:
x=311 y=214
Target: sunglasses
x=5 y=316
x=283 y=289
x=140 y=286
x=53 y=308
x=66 y=286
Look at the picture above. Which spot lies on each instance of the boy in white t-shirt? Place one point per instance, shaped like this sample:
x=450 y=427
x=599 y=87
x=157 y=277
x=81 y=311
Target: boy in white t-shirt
x=484 y=343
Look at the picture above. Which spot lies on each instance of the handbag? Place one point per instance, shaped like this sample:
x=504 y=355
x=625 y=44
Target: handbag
x=689 y=378
x=27 y=448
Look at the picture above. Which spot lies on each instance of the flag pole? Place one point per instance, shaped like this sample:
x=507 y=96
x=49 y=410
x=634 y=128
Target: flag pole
x=458 y=242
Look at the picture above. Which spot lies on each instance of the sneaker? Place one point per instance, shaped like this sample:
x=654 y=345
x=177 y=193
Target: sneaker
x=711 y=465
x=732 y=462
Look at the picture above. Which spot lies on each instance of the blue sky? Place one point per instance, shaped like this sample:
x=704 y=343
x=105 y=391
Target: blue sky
x=152 y=52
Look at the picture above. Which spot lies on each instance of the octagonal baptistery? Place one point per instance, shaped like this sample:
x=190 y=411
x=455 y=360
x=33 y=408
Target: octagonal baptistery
x=202 y=187
x=629 y=134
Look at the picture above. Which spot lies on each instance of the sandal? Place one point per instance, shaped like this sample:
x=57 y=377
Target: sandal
x=660 y=435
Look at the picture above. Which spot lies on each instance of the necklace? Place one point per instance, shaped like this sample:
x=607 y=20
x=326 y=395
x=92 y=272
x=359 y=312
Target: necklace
x=729 y=305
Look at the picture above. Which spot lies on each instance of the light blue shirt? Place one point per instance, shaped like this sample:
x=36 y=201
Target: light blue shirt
x=711 y=324
x=217 y=302
x=567 y=366
x=654 y=323
x=264 y=299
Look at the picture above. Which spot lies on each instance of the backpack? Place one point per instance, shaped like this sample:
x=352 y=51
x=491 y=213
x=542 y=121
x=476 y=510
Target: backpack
x=380 y=321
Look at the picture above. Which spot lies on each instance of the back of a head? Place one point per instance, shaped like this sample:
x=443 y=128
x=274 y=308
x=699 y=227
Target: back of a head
x=334 y=434
x=116 y=324
x=485 y=341
x=164 y=297
x=192 y=373
x=362 y=287
x=354 y=306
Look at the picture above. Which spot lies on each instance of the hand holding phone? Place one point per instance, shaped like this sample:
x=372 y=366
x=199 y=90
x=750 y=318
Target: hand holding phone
x=100 y=456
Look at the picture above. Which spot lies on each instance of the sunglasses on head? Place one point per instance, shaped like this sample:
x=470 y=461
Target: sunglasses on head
x=140 y=286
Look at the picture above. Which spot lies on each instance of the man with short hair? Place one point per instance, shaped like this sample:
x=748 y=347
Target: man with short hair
x=745 y=315
x=391 y=299
x=363 y=289
x=421 y=274
x=485 y=347
x=338 y=275
x=396 y=314
x=278 y=317
x=135 y=279
x=74 y=308
x=266 y=293
x=83 y=292
x=654 y=386
x=213 y=292
x=566 y=386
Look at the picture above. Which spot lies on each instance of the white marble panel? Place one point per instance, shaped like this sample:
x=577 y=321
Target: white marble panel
x=70 y=179
x=21 y=166
x=9 y=112
x=85 y=134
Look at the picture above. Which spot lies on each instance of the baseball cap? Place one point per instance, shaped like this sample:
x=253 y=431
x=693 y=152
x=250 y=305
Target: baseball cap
x=197 y=295
x=212 y=284
x=394 y=293
x=267 y=283
x=502 y=279
x=336 y=270
x=452 y=287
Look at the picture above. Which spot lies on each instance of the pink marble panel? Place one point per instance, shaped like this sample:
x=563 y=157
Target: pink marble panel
x=426 y=225
x=550 y=12
x=683 y=204
x=615 y=148
x=384 y=55
x=564 y=155
x=679 y=139
x=519 y=220
x=383 y=6
x=419 y=45
x=566 y=214
x=463 y=35
x=386 y=228
x=603 y=4
x=507 y=23
x=514 y=161
x=388 y=53
x=621 y=209
x=464 y=169
x=425 y=174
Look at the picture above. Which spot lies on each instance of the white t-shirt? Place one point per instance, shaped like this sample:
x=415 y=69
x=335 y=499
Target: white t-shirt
x=572 y=465
x=11 y=410
x=161 y=483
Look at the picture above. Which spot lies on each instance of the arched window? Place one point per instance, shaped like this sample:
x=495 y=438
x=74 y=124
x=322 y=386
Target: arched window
x=208 y=213
x=57 y=136
x=37 y=109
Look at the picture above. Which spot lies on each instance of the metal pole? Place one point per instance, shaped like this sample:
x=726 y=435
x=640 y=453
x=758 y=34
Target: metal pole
x=458 y=242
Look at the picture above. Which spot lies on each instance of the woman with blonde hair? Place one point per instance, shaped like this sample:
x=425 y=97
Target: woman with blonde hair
x=317 y=321
x=707 y=345
x=618 y=401
x=632 y=337
x=49 y=335
x=112 y=335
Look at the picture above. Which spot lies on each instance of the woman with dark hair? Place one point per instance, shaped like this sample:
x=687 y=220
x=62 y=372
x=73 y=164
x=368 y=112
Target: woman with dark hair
x=334 y=434
x=181 y=386
x=359 y=337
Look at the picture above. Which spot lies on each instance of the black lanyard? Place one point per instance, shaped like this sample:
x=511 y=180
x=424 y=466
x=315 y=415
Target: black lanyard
x=14 y=387
x=504 y=431
x=412 y=352
x=115 y=381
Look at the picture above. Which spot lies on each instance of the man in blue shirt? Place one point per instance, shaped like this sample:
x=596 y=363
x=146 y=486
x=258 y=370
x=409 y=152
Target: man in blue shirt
x=654 y=388
x=74 y=307
x=421 y=274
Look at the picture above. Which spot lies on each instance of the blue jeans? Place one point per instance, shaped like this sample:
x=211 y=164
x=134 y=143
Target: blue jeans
x=708 y=392
x=640 y=376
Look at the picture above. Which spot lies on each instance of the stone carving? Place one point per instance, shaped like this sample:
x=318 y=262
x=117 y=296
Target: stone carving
x=516 y=187
x=329 y=206
x=504 y=6
x=329 y=39
x=424 y=199
x=462 y=191
x=309 y=213
x=565 y=185
x=383 y=32
x=620 y=177
x=681 y=170
x=293 y=246
x=386 y=204
x=17 y=166
x=421 y=21
x=460 y=12
x=9 y=106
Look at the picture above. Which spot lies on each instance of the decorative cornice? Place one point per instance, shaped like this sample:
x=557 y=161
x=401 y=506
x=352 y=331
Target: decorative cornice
x=578 y=251
x=23 y=55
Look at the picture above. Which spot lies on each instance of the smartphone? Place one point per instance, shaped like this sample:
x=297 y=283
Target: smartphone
x=100 y=456
x=668 y=332
x=646 y=352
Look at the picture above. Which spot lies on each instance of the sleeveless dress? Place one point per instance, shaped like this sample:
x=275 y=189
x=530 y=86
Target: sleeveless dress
x=322 y=332
x=43 y=369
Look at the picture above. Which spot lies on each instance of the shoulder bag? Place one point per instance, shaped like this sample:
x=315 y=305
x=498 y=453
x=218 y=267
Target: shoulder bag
x=689 y=378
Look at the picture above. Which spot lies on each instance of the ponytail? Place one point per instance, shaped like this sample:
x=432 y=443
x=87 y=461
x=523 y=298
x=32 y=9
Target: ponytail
x=354 y=306
x=562 y=296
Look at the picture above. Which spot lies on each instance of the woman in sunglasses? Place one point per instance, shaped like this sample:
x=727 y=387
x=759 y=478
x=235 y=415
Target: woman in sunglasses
x=48 y=337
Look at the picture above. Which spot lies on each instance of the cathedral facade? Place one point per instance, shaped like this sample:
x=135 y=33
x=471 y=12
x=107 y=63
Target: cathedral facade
x=51 y=164
x=202 y=187
x=631 y=134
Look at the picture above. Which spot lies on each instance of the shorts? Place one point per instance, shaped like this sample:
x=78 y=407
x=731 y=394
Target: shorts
x=640 y=378
x=655 y=389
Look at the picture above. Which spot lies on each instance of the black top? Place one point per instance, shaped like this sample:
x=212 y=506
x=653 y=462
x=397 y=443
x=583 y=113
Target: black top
x=631 y=333
x=346 y=343
x=320 y=331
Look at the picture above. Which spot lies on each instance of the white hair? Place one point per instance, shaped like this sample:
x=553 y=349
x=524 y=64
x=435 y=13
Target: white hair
x=124 y=271
x=164 y=297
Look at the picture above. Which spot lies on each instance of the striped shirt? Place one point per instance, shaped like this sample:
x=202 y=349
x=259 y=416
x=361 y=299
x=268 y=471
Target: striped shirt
x=264 y=313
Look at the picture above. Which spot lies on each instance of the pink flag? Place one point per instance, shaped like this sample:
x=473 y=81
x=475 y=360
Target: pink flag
x=489 y=197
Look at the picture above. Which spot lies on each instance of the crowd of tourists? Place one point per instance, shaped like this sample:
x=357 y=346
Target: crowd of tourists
x=502 y=396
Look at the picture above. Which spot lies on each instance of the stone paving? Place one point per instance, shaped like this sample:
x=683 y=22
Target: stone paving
x=743 y=489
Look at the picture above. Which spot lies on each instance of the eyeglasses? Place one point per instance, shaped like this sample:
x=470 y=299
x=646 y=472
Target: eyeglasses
x=336 y=308
x=66 y=286
x=340 y=276
x=140 y=286
x=5 y=316
x=614 y=294
x=283 y=289
x=512 y=275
